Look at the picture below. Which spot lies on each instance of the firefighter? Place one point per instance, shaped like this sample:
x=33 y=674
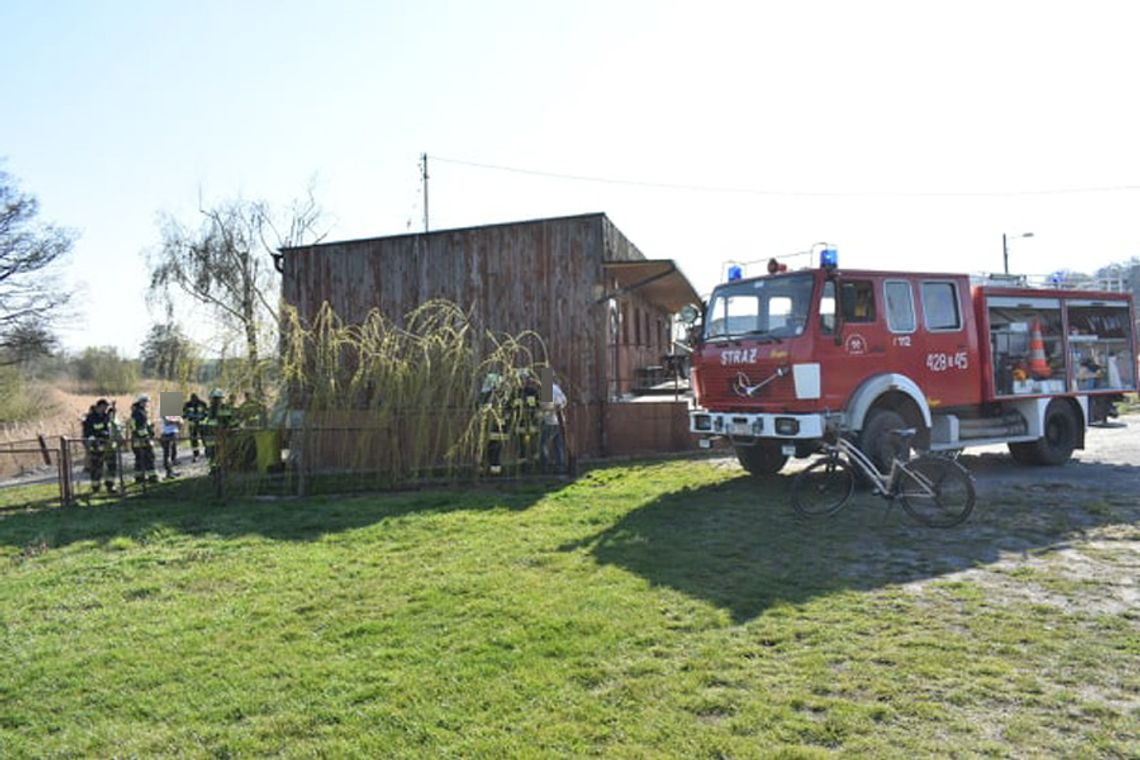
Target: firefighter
x=99 y=437
x=219 y=418
x=171 y=424
x=142 y=440
x=490 y=399
x=527 y=417
x=86 y=443
x=194 y=412
x=250 y=414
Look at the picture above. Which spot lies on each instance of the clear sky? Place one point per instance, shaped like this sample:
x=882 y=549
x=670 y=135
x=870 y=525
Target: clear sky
x=909 y=135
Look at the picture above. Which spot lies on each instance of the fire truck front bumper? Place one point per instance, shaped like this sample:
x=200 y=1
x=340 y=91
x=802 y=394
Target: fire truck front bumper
x=752 y=428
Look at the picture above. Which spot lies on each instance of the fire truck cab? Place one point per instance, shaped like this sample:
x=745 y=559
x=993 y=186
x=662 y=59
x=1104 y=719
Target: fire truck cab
x=779 y=359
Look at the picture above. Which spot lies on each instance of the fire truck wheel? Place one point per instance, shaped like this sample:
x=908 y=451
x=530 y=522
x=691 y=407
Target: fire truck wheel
x=1023 y=453
x=761 y=459
x=1060 y=435
x=876 y=442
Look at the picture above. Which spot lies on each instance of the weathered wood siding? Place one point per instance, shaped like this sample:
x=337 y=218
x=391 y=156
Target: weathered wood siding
x=642 y=428
x=544 y=276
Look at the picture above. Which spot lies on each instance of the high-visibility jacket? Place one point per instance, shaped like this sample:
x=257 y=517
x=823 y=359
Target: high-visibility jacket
x=99 y=429
x=142 y=429
x=220 y=417
x=195 y=411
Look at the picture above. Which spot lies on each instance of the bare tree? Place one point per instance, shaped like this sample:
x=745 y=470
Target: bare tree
x=226 y=264
x=30 y=293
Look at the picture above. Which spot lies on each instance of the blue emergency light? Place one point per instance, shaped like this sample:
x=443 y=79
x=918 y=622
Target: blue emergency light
x=829 y=258
x=735 y=273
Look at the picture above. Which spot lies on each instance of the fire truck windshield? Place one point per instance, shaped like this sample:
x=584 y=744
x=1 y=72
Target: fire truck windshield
x=768 y=307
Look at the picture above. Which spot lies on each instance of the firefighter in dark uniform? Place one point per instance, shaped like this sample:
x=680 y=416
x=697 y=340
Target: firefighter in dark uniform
x=490 y=398
x=219 y=418
x=527 y=418
x=142 y=441
x=99 y=435
x=194 y=412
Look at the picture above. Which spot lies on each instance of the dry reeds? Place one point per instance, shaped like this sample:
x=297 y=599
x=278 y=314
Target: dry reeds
x=401 y=401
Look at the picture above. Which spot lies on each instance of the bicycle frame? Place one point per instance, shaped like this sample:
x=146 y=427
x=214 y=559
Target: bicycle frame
x=880 y=481
x=885 y=485
x=938 y=493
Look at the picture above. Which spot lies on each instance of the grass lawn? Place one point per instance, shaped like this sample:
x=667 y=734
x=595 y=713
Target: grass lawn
x=672 y=609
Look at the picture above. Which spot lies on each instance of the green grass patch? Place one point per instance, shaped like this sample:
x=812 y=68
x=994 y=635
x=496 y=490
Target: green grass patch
x=644 y=610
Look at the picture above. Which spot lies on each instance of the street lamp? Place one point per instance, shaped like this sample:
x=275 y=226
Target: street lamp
x=1005 y=247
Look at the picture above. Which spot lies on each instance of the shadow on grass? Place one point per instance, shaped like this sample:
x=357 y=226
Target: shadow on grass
x=15 y=499
x=188 y=506
x=739 y=545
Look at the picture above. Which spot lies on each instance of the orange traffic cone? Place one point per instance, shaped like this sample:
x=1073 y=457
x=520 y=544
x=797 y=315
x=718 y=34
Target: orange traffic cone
x=1037 y=364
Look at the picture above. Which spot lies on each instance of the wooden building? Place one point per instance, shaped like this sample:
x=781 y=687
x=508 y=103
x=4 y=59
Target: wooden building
x=603 y=308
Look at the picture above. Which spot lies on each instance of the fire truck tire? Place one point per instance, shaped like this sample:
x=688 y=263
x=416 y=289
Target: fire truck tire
x=761 y=459
x=876 y=442
x=1023 y=453
x=1061 y=434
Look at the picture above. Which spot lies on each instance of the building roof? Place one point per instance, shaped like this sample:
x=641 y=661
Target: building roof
x=627 y=271
x=446 y=231
x=658 y=281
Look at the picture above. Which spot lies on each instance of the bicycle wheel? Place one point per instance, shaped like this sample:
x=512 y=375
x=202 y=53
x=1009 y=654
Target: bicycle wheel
x=938 y=493
x=823 y=488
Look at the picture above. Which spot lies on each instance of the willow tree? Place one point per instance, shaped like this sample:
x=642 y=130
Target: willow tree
x=225 y=262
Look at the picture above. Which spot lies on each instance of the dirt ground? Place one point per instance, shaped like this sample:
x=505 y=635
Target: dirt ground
x=1109 y=461
x=1067 y=537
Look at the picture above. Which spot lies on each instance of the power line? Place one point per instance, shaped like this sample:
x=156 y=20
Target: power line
x=794 y=193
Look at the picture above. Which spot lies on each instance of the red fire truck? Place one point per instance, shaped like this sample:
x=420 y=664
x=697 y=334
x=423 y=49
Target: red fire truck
x=777 y=360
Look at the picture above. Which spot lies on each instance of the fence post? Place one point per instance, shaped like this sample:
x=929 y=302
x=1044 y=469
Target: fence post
x=117 y=452
x=217 y=467
x=65 y=492
x=44 y=450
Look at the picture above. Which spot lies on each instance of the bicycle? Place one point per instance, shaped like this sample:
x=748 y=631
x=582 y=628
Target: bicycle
x=937 y=492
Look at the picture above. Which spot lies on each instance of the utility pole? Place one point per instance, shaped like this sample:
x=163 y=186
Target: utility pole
x=1005 y=248
x=424 y=177
x=1004 y=242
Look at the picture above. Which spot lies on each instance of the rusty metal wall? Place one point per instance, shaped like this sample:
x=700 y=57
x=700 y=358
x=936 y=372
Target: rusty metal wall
x=544 y=275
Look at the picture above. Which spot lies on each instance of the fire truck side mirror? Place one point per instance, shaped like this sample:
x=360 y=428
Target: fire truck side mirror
x=688 y=314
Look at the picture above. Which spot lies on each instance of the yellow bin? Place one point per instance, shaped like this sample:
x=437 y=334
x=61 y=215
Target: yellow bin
x=268 y=445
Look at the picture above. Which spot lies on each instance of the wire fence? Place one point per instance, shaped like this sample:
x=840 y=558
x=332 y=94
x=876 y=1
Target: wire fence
x=281 y=462
x=23 y=457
